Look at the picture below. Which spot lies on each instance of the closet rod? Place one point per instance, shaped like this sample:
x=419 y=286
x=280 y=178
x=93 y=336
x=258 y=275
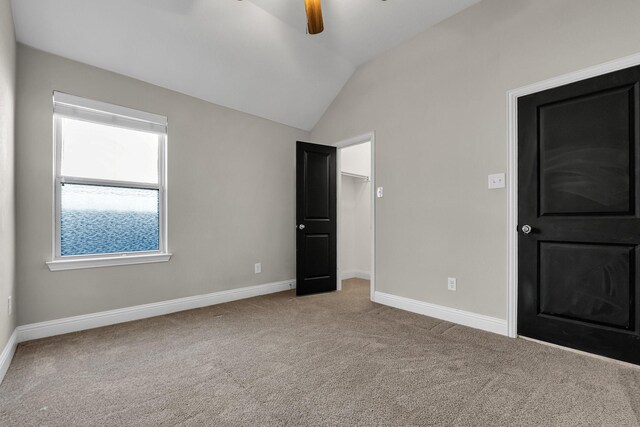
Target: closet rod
x=355 y=175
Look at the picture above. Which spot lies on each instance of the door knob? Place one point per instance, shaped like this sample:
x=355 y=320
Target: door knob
x=301 y=227
x=526 y=229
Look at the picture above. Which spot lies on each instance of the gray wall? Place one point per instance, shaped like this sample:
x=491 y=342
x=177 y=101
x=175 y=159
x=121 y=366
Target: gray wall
x=438 y=106
x=231 y=196
x=7 y=205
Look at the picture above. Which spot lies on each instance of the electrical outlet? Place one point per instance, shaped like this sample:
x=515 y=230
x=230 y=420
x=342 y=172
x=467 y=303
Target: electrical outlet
x=496 y=180
x=452 y=283
x=9 y=305
x=258 y=268
x=380 y=192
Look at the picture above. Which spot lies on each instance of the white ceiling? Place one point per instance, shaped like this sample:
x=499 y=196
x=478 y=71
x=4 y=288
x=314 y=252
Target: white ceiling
x=253 y=56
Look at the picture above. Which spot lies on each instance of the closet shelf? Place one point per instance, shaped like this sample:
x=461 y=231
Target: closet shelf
x=355 y=175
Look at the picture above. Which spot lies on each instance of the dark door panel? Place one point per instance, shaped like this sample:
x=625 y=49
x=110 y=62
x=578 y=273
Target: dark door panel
x=316 y=250
x=579 y=175
x=587 y=282
x=578 y=167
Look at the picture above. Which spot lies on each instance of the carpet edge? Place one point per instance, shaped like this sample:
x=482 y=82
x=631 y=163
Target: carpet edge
x=111 y=317
x=460 y=317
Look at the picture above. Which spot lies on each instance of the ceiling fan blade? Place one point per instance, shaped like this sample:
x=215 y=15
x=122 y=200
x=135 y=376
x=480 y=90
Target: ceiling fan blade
x=314 y=16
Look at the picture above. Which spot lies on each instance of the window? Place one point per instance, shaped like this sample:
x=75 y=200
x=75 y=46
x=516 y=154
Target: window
x=110 y=192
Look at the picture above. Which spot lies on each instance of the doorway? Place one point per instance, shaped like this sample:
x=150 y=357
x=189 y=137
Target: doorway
x=356 y=242
x=578 y=214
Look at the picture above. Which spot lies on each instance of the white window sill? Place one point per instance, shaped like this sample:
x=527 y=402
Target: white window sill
x=75 y=264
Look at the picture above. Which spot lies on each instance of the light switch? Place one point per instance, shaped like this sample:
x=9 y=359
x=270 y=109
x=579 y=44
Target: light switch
x=379 y=192
x=497 y=180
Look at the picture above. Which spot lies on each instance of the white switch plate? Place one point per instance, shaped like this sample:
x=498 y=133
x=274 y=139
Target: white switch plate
x=452 y=283
x=496 y=180
x=258 y=268
x=379 y=192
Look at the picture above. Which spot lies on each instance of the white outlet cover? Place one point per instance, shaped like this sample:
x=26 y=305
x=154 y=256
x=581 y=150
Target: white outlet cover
x=496 y=180
x=380 y=192
x=258 y=268
x=452 y=283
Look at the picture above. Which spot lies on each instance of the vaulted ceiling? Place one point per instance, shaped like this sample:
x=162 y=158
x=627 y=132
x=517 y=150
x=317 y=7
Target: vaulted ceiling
x=252 y=55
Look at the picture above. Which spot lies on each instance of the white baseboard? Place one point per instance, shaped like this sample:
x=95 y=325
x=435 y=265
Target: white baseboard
x=7 y=354
x=466 y=318
x=111 y=317
x=355 y=274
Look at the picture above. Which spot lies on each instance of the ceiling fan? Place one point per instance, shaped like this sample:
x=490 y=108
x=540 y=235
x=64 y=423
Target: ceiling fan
x=314 y=16
x=313 y=8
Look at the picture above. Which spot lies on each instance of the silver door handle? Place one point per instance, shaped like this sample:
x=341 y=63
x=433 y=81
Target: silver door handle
x=301 y=227
x=526 y=229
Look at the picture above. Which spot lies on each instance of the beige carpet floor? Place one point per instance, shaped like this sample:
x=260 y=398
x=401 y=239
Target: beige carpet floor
x=332 y=359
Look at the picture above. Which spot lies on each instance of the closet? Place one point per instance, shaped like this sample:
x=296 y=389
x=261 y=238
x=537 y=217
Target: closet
x=355 y=211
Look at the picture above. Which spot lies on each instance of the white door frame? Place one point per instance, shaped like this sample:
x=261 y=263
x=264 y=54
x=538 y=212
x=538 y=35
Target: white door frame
x=367 y=137
x=512 y=174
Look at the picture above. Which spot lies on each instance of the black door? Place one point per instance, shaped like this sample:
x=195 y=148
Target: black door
x=579 y=215
x=316 y=250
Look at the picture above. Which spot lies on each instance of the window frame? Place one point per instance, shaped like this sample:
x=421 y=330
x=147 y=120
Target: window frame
x=77 y=108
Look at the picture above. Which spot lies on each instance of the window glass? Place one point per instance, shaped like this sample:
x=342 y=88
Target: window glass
x=92 y=150
x=104 y=220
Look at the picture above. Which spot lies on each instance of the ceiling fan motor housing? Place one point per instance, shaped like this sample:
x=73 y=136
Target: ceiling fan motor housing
x=314 y=16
